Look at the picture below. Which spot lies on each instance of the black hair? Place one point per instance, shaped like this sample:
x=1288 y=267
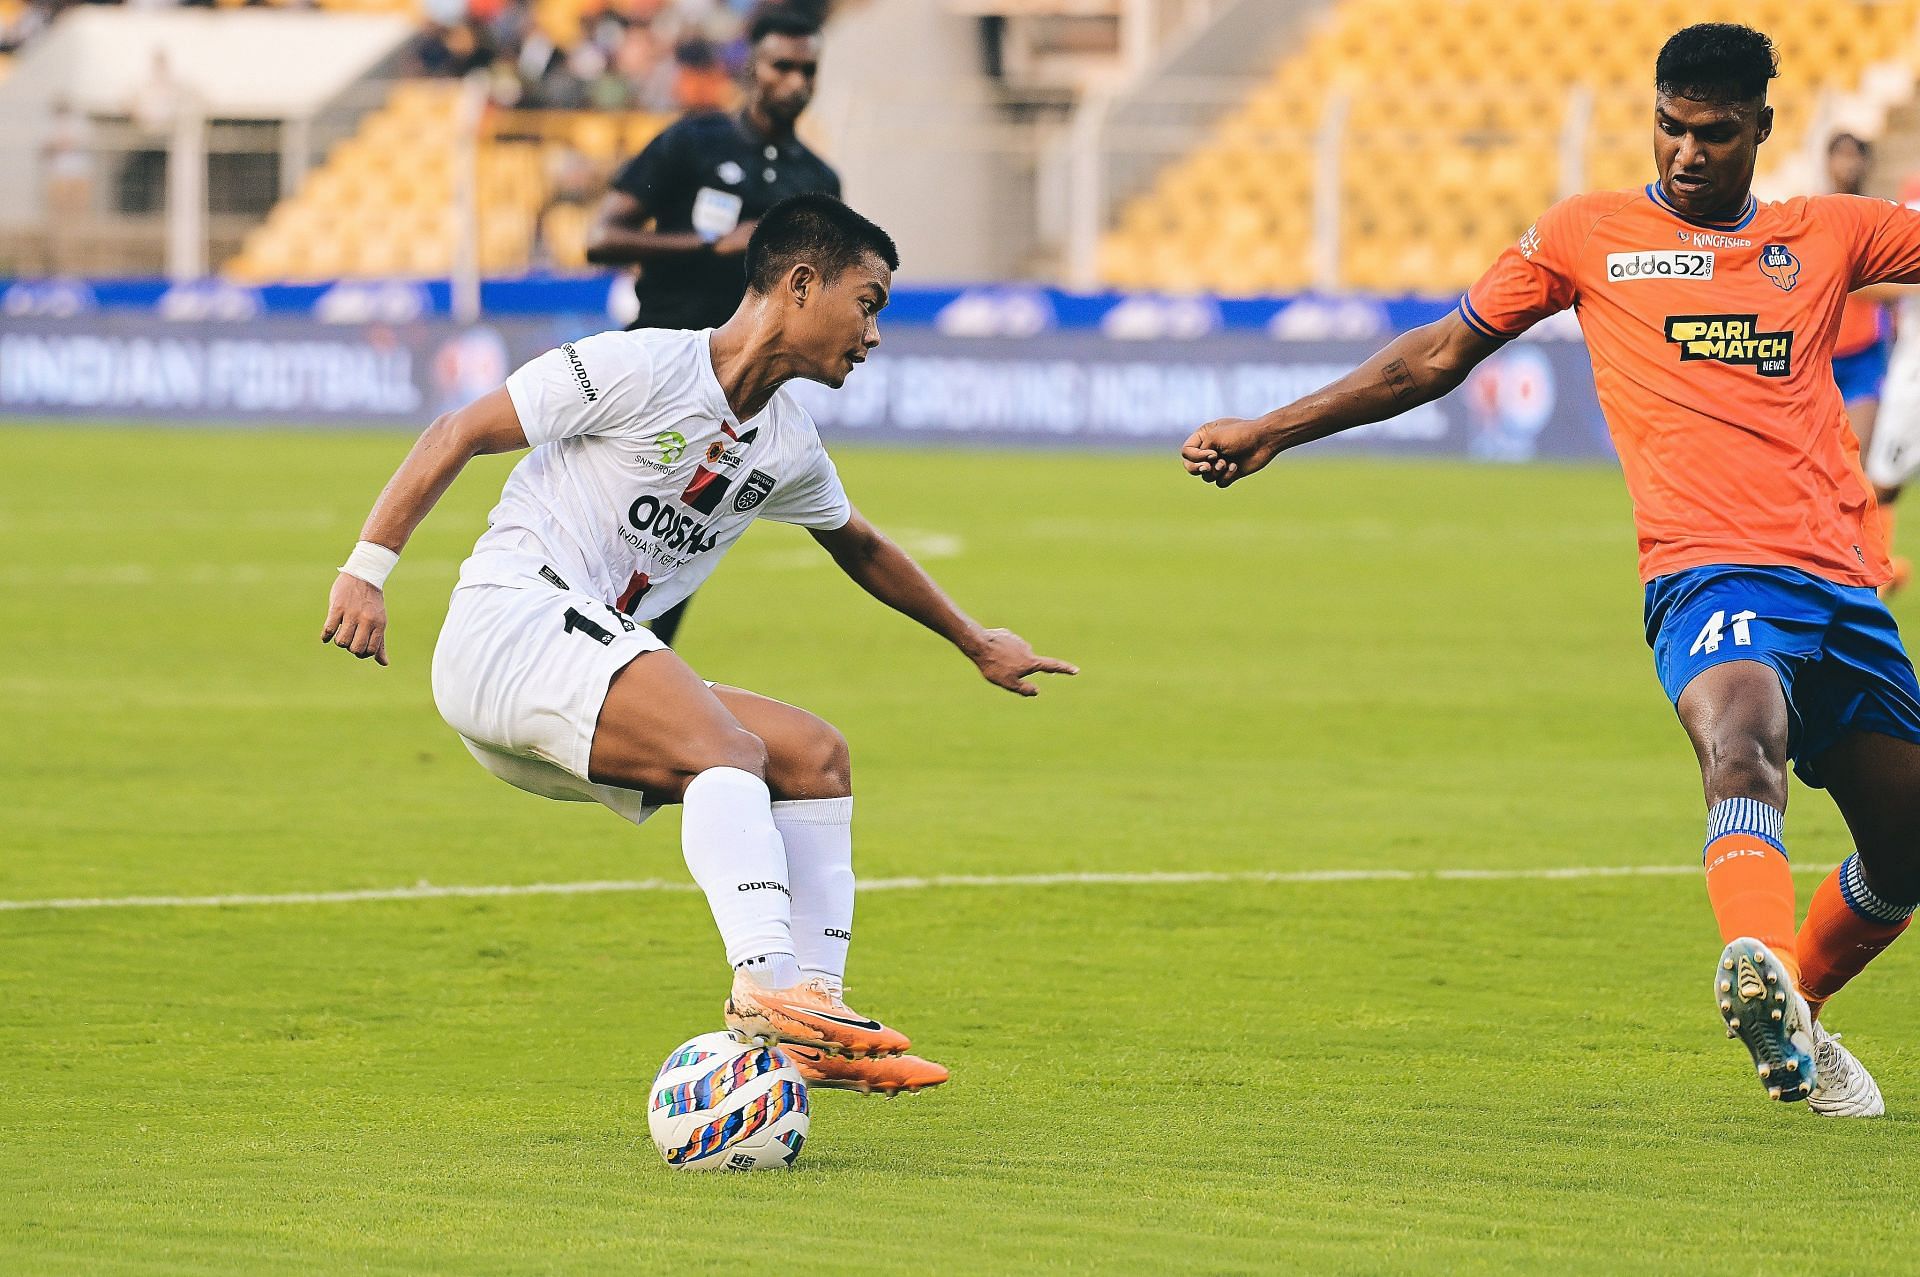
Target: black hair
x=1716 y=62
x=818 y=230
x=779 y=19
x=1854 y=140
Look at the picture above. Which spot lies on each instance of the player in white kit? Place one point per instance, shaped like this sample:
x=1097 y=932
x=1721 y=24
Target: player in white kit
x=1891 y=454
x=652 y=452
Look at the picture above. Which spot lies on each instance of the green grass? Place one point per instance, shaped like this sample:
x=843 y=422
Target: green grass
x=1343 y=665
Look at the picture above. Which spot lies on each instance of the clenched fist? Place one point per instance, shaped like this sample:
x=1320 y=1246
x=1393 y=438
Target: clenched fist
x=1221 y=452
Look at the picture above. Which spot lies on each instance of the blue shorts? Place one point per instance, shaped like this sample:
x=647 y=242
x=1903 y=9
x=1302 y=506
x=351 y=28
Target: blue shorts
x=1835 y=648
x=1863 y=374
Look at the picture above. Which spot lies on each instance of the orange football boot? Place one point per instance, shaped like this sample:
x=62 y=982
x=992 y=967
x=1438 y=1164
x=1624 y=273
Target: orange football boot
x=888 y=1075
x=809 y=1014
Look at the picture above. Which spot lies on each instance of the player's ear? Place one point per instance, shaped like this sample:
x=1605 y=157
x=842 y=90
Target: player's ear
x=1765 y=129
x=801 y=280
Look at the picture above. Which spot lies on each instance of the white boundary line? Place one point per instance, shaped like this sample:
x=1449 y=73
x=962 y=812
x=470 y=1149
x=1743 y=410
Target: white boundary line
x=431 y=891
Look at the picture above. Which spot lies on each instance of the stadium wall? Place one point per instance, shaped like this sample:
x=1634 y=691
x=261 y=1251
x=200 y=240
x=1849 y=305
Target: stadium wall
x=918 y=142
x=1003 y=366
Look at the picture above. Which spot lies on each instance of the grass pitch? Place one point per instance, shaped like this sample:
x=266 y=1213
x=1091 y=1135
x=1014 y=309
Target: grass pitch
x=1339 y=666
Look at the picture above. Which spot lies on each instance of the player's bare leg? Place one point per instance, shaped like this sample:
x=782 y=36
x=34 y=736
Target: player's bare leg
x=1735 y=713
x=1736 y=716
x=665 y=732
x=1866 y=903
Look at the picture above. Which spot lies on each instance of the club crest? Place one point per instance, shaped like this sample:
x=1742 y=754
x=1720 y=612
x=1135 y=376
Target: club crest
x=753 y=490
x=1780 y=266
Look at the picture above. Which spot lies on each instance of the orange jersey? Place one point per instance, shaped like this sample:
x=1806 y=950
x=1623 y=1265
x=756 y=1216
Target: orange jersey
x=1859 y=326
x=1712 y=347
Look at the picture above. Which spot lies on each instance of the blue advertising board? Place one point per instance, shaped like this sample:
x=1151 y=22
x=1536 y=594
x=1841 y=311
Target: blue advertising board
x=1072 y=389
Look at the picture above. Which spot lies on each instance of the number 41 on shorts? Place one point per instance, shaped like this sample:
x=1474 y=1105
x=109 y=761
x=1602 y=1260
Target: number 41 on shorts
x=1715 y=629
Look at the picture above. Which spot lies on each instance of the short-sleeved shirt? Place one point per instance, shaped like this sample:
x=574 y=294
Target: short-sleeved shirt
x=708 y=173
x=1712 y=347
x=641 y=476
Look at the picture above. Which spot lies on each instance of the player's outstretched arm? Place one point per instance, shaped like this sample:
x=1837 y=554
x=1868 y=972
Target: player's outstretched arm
x=357 y=609
x=889 y=573
x=1415 y=368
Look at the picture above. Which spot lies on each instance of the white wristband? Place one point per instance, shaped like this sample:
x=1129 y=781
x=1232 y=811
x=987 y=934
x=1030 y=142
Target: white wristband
x=371 y=563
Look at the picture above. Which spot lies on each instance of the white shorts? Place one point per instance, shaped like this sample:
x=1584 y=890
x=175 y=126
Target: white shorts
x=1893 y=454
x=521 y=673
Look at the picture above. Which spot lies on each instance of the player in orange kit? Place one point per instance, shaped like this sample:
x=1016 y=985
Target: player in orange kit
x=1711 y=320
x=1864 y=346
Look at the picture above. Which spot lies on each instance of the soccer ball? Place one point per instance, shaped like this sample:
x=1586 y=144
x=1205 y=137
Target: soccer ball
x=720 y=1104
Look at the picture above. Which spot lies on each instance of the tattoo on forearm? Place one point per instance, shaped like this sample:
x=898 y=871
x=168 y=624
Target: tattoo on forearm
x=1399 y=380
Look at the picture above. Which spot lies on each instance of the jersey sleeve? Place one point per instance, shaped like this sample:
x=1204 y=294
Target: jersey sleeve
x=595 y=386
x=1885 y=238
x=814 y=498
x=1529 y=281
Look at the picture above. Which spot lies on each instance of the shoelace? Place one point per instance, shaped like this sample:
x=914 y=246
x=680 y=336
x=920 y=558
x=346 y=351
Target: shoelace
x=1830 y=1057
x=834 y=997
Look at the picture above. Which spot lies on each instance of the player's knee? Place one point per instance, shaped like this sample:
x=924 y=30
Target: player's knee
x=731 y=747
x=1745 y=767
x=737 y=747
x=829 y=763
x=810 y=759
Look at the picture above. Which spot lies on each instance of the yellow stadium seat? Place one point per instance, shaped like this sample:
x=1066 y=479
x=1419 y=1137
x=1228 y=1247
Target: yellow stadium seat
x=1456 y=113
x=383 y=202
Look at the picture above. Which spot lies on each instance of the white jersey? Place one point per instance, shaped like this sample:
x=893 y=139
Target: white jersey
x=1893 y=454
x=641 y=477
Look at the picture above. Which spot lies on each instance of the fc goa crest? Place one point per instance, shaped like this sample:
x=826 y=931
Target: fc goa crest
x=1780 y=266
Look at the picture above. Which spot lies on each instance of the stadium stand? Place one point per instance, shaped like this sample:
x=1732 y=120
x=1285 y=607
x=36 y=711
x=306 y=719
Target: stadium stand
x=383 y=203
x=573 y=87
x=1458 y=124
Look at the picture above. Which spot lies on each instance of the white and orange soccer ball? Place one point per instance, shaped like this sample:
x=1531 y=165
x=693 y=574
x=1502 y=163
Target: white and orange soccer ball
x=720 y=1104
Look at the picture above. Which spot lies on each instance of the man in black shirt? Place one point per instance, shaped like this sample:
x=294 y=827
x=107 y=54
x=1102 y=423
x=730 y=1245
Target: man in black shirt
x=683 y=209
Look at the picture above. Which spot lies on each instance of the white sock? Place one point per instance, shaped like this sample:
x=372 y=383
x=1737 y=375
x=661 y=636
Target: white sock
x=731 y=845
x=818 y=834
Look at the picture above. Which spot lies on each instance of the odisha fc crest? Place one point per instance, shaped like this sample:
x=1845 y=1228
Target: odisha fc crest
x=753 y=490
x=1780 y=266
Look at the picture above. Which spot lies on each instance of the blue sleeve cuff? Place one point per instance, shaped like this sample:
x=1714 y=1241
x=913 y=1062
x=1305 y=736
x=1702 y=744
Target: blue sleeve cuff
x=1479 y=325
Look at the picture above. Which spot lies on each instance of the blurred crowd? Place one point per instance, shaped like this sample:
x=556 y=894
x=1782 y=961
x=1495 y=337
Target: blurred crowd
x=615 y=55
x=607 y=55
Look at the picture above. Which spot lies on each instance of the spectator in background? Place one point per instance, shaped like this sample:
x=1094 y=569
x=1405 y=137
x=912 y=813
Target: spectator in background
x=700 y=82
x=155 y=105
x=156 y=102
x=67 y=166
x=452 y=48
x=643 y=66
x=649 y=55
